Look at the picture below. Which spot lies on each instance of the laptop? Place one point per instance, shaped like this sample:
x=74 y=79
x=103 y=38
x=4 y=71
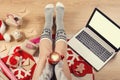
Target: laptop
x=99 y=41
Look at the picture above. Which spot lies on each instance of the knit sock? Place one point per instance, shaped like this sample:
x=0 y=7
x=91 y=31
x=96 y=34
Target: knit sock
x=47 y=32
x=60 y=33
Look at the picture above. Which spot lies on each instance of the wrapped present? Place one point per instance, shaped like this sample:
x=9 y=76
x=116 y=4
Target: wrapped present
x=29 y=47
x=18 y=35
x=21 y=64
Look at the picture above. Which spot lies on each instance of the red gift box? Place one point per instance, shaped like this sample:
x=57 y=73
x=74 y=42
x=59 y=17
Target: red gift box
x=15 y=61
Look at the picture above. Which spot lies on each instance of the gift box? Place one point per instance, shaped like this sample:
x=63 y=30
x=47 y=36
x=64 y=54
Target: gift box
x=21 y=64
x=18 y=35
x=29 y=47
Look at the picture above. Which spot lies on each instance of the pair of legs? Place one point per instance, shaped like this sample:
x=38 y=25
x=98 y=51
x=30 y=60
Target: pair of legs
x=46 y=42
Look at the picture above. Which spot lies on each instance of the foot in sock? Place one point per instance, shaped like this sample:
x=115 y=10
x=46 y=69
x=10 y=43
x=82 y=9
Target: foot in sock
x=59 y=15
x=60 y=33
x=49 y=10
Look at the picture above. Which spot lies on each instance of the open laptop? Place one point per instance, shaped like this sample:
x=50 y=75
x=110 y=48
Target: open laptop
x=99 y=41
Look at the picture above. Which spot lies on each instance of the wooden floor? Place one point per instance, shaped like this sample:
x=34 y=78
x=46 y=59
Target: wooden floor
x=77 y=13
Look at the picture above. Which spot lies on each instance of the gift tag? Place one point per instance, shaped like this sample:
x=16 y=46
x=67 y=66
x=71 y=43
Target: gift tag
x=28 y=64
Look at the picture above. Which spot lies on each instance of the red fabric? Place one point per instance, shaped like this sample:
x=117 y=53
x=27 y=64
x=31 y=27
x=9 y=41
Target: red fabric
x=1 y=36
x=13 y=61
x=77 y=60
x=0 y=23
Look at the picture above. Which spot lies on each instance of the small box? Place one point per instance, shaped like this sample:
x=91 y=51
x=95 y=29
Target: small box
x=18 y=36
x=29 y=47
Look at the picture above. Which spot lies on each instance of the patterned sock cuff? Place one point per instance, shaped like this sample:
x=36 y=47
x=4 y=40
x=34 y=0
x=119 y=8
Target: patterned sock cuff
x=46 y=34
x=60 y=34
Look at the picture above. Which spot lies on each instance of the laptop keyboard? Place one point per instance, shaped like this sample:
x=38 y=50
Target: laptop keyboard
x=94 y=46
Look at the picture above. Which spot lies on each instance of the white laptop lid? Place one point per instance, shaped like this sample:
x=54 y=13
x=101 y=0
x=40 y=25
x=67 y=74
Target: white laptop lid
x=105 y=28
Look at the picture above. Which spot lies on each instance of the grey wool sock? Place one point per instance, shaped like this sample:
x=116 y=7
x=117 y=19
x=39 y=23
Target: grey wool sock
x=47 y=32
x=60 y=33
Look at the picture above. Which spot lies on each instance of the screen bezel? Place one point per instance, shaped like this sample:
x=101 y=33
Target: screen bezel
x=116 y=49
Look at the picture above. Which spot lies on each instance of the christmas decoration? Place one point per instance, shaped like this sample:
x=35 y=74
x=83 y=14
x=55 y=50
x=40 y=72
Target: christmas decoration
x=29 y=47
x=18 y=35
x=78 y=66
x=3 y=34
x=21 y=64
x=20 y=69
x=14 y=20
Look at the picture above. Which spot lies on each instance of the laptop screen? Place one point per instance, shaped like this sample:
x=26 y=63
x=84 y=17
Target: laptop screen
x=105 y=28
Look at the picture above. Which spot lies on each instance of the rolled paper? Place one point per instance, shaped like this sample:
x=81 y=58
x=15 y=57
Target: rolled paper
x=7 y=71
x=2 y=76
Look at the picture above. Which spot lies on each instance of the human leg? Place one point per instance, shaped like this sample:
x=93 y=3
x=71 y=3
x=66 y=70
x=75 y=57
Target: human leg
x=61 y=69
x=45 y=45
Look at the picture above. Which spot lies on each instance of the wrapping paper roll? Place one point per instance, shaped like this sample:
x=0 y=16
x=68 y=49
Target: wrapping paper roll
x=7 y=71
